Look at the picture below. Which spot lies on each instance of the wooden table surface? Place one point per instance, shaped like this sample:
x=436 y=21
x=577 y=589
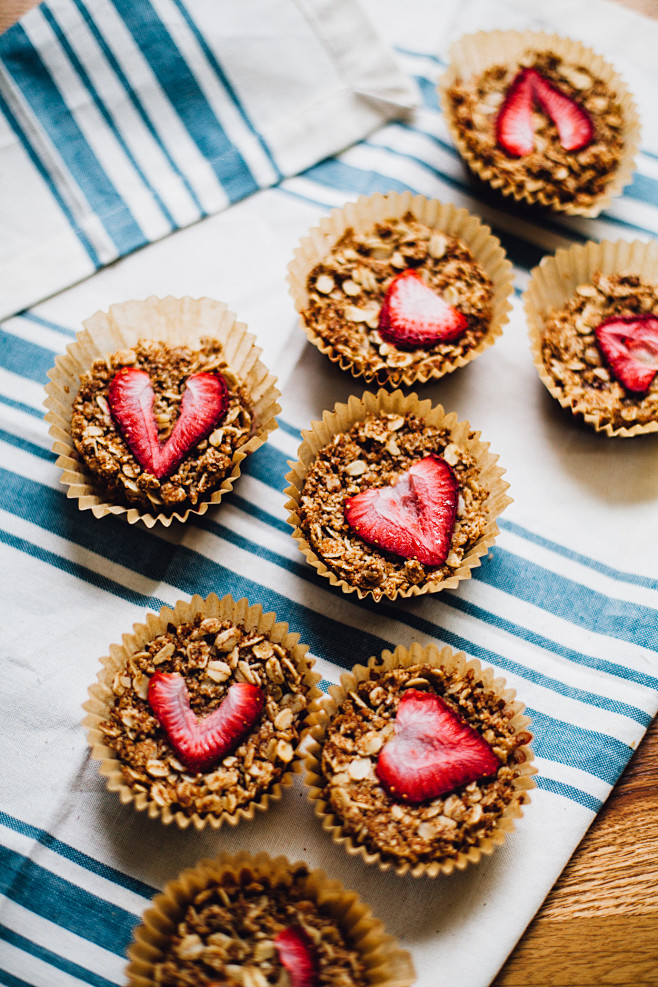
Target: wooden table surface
x=599 y=924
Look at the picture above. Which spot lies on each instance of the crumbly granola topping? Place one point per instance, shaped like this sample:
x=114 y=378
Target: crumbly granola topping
x=103 y=449
x=573 y=358
x=227 y=933
x=373 y=454
x=565 y=176
x=347 y=289
x=437 y=829
x=210 y=654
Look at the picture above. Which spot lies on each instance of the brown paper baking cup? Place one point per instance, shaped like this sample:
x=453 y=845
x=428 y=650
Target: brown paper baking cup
x=361 y=216
x=554 y=281
x=340 y=420
x=386 y=965
x=474 y=53
x=177 y=321
x=324 y=708
x=101 y=699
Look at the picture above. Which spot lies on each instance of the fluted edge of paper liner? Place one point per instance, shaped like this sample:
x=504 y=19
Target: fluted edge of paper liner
x=387 y=965
x=177 y=321
x=474 y=53
x=442 y=216
x=340 y=420
x=325 y=707
x=551 y=285
x=101 y=697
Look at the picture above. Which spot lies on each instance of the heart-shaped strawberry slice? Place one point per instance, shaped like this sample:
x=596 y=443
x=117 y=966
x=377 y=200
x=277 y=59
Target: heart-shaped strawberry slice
x=433 y=751
x=413 y=316
x=630 y=345
x=514 y=123
x=130 y=397
x=415 y=517
x=297 y=954
x=201 y=742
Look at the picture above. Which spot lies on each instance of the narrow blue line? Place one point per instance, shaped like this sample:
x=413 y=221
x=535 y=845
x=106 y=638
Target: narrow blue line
x=31 y=75
x=136 y=100
x=303 y=198
x=290 y=430
x=183 y=91
x=27 y=446
x=228 y=86
x=76 y=856
x=568 y=792
x=47 y=178
x=52 y=959
x=25 y=357
x=11 y=403
x=48 y=323
x=102 y=109
x=9 y=980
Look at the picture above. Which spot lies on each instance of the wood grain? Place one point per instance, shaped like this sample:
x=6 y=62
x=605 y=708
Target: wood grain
x=599 y=924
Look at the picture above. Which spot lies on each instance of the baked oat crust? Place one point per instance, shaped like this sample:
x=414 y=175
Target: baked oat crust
x=346 y=290
x=117 y=474
x=574 y=361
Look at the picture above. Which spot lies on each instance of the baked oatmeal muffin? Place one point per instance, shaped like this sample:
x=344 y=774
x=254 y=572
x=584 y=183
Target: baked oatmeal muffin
x=419 y=761
x=401 y=288
x=393 y=498
x=592 y=313
x=198 y=717
x=154 y=406
x=542 y=118
x=157 y=425
x=255 y=921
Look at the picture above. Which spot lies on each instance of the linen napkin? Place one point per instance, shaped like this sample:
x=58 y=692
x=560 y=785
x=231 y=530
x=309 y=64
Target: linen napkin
x=564 y=607
x=121 y=122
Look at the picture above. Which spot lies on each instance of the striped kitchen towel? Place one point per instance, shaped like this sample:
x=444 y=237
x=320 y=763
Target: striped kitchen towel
x=121 y=122
x=565 y=607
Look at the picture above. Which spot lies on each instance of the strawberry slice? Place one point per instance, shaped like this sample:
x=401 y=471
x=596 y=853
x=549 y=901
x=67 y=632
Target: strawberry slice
x=514 y=127
x=130 y=397
x=630 y=345
x=200 y=742
x=514 y=123
x=413 y=316
x=433 y=751
x=297 y=955
x=413 y=517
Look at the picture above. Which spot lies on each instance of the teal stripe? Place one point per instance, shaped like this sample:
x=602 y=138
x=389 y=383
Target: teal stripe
x=569 y=792
x=19 y=406
x=39 y=319
x=64 y=903
x=94 y=866
x=27 y=446
x=25 y=358
x=596 y=753
x=47 y=956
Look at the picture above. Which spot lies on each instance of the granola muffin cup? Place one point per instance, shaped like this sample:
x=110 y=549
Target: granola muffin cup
x=441 y=835
x=350 y=942
x=212 y=643
x=456 y=252
x=171 y=322
x=581 y=286
x=482 y=491
x=474 y=54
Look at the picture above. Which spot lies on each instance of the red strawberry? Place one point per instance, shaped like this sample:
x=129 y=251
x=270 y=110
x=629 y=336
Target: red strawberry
x=200 y=742
x=297 y=955
x=514 y=124
x=204 y=404
x=433 y=751
x=414 y=517
x=630 y=345
x=413 y=316
x=514 y=129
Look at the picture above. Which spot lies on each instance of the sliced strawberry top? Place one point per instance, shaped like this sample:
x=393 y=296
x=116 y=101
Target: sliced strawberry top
x=514 y=123
x=297 y=954
x=414 y=517
x=413 y=316
x=630 y=345
x=200 y=742
x=130 y=397
x=434 y=751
